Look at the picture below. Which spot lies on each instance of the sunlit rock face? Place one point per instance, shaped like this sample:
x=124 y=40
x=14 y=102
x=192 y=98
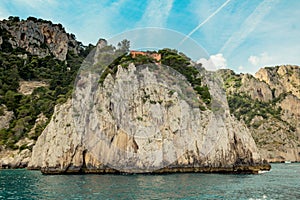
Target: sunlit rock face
x=144 y=119
x=270 y=89
x=40 y=37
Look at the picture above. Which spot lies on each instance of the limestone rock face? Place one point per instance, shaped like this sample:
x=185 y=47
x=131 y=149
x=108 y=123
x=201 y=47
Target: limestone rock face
x=281 y=79
x=284 y=143
x=246 y=84
x=14 y=159
x=17 y=158
x=5 y=117
x=40 y=38
x=277 y=135
x=290 y=106
x=140 y=121
x=27 y=87
x=255 y=88
x=64 y=146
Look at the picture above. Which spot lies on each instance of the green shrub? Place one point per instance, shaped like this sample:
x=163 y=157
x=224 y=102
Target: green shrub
x=153 y=102
x=181 y=63
x=1 y=111
x=204 y=93
x=14 y=19
x=246 y=108
x=22 y=147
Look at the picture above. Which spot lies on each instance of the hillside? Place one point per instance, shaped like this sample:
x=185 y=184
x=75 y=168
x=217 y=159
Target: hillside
x=38 y=64
x=269 y=104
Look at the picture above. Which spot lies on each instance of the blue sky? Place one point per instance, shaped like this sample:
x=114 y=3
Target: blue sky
x=241 y=35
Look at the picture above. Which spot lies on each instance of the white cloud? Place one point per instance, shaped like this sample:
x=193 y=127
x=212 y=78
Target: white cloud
x=156 y=13
x=262 y=59
x=253 y=60
x=214 y=62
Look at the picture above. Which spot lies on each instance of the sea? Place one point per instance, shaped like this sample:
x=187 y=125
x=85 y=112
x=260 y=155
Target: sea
x=282 y=182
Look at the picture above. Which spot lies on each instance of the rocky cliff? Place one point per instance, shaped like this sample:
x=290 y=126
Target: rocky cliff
x=269 y=103
x=39 y=37
x=136 y=119
x=38 y=64
x=144 y=119
x=5 y=117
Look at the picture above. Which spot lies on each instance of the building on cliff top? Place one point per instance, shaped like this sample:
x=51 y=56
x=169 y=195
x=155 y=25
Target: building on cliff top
x=155 y=56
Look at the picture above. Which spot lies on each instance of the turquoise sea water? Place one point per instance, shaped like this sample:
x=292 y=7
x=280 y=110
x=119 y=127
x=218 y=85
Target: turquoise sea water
x=283 y=182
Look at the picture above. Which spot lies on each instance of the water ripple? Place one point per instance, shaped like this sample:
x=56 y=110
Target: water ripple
x=281 y=183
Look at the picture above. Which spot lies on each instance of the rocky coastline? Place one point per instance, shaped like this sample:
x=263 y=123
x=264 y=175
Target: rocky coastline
x=146 y=119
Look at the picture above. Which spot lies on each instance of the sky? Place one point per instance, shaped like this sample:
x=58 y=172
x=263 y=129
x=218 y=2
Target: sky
x=240 y=35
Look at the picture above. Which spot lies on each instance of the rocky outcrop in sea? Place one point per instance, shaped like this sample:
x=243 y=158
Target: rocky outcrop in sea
x=144 y=119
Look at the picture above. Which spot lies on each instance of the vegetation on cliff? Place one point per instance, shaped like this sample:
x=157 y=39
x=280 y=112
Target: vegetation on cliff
x=169 y=57
x=181 y=63
x=267 y=104
x=17 y=64
x=245 y=108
